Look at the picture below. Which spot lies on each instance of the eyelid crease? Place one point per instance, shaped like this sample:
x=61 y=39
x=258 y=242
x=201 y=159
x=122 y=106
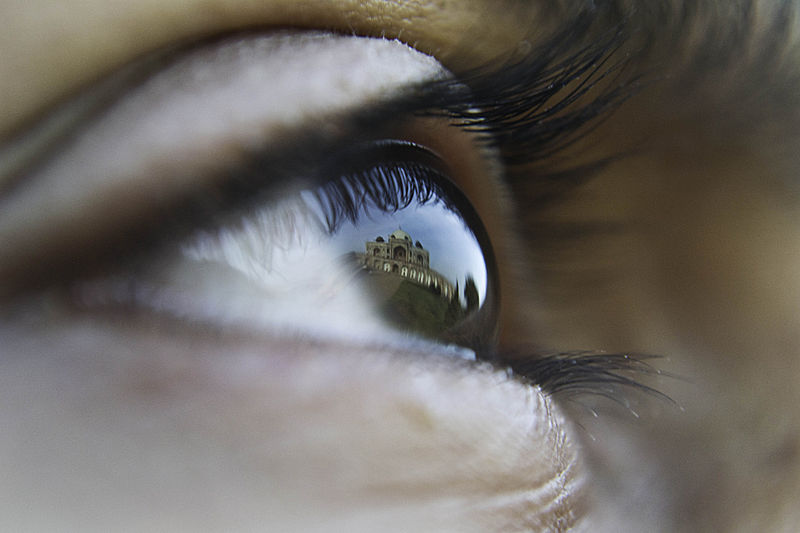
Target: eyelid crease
x=29 y=148
x=204 y=71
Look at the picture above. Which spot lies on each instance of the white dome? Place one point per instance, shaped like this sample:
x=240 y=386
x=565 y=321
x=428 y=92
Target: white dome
x=401 y=235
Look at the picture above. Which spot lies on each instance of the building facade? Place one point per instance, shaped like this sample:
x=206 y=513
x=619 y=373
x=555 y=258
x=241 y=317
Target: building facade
x=399 y=255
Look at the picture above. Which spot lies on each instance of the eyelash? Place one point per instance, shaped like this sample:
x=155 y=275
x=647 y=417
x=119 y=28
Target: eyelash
x=532 y=108
x=388 y=186
x=571 y=374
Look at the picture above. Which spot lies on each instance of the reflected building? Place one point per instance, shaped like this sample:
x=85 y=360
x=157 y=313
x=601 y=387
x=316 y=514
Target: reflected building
x=401 y=256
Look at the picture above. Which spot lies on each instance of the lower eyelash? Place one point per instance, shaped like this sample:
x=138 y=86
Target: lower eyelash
x=588 y=373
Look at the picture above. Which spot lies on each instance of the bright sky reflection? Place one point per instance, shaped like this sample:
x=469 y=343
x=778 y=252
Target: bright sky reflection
x=454 y=250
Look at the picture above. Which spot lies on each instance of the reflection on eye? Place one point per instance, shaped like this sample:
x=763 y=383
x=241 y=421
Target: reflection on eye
x=339 y=257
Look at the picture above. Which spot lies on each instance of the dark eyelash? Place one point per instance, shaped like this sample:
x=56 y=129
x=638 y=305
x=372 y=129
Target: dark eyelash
x=534 y=107
x=530 y=108
x=389 y=189
x=386 y=186
x=571 y=374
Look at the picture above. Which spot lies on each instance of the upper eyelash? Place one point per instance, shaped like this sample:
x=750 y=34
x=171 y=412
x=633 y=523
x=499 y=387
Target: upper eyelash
x=534 y=107
x=350 y=195
x=389 y=188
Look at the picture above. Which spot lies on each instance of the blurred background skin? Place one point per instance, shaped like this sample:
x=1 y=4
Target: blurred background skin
x=703 y=267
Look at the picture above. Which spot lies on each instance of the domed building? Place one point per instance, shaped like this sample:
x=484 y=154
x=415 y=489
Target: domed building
x=401 y=256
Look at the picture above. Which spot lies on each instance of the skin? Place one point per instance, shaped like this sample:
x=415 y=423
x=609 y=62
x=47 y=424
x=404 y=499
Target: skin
x=133 y=424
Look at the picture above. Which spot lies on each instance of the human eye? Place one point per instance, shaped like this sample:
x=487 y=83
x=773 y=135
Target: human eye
x=195 y=335
x=201 y=261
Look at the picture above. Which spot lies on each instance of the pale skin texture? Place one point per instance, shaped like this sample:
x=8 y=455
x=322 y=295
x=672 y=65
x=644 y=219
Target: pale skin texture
x=135 y=425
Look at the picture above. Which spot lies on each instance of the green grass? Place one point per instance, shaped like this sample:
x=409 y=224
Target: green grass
x=420 y=310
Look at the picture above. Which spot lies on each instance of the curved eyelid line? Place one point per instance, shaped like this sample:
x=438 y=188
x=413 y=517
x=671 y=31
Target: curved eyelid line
x=191 y=67
x=24 y=150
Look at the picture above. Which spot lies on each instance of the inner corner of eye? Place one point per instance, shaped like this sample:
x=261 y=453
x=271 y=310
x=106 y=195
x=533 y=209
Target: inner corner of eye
x=379 y=244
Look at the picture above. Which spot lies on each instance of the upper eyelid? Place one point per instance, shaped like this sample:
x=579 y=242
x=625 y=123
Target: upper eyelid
x=490 y=104
x=44 y=194
x=500 y=94
x=519 y=83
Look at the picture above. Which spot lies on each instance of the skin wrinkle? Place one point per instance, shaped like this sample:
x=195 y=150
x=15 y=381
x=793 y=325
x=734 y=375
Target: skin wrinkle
x=704 y=269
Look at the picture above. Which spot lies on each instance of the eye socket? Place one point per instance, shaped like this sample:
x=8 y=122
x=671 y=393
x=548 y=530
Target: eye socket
x=339 y=252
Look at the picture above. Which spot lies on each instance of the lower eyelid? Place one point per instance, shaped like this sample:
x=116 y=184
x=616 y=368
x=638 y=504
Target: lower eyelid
x=331 y=422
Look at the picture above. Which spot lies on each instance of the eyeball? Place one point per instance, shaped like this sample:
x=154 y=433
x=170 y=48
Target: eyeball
x=377 y=244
